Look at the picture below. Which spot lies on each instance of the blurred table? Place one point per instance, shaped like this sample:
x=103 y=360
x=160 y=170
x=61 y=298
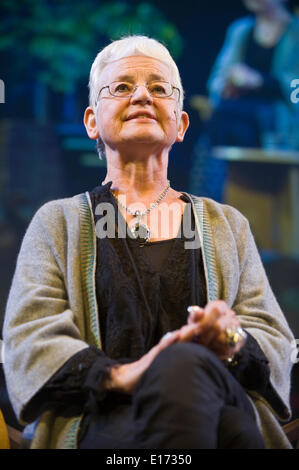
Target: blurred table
x=264 y=186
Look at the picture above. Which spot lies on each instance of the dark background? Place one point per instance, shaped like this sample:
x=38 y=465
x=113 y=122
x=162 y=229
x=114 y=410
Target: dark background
x=44 y=151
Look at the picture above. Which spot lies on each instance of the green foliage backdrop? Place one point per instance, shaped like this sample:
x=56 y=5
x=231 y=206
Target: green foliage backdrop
x=58 y=40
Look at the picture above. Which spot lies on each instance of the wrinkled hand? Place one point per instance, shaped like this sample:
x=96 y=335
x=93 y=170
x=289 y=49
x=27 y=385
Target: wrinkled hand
x=207 y=327
x=123 y=378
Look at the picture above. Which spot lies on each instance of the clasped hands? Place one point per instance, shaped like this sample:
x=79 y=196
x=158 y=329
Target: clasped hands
x=206 y=326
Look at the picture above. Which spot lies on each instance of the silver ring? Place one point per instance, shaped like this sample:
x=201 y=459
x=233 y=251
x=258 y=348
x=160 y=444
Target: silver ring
x=234 y=335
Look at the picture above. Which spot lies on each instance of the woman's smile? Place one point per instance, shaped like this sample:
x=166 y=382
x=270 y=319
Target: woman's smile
x=141 y=116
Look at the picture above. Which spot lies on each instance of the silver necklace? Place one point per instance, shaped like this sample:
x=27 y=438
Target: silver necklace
x=140 y=230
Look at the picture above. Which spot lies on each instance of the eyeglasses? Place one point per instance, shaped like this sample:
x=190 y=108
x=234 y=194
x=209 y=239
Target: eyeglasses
x=126 y=90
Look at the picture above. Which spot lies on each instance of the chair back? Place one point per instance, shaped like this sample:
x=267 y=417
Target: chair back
x=4 y=439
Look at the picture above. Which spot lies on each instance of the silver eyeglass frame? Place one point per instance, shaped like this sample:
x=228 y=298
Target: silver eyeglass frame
x=134 y=89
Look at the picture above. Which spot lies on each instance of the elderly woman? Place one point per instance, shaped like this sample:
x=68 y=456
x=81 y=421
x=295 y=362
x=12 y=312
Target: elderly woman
x=125 y=329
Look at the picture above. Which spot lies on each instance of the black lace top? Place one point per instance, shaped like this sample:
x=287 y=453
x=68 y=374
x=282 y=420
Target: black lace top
x=142 y=293
x=146 y=290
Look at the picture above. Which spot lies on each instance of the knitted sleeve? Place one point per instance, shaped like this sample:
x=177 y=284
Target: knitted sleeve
x=78 y=385
x=75 y=387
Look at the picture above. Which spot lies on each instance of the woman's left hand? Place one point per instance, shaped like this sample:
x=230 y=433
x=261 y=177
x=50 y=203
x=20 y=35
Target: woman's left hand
x=208 y=327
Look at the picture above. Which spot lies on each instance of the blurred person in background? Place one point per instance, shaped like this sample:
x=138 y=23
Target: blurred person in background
x=250 y=88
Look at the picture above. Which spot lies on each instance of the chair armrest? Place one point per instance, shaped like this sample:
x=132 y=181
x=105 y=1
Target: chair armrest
x=292 y=432
x=15 y=438
x=4 y=438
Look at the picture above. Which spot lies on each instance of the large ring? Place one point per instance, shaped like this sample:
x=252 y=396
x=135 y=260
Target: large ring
x=234 y=334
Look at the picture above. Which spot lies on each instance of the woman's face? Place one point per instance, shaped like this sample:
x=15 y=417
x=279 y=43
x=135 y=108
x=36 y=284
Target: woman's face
x=130 y=122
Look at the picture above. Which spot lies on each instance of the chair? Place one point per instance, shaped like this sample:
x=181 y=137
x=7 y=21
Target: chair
x=18 y=441
x=4 y=438
x=292 y=432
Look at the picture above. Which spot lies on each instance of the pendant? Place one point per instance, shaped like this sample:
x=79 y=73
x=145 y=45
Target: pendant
x=140 y=231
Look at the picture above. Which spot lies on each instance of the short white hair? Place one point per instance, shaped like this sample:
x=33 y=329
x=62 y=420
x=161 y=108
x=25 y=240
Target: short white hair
x=127 y=47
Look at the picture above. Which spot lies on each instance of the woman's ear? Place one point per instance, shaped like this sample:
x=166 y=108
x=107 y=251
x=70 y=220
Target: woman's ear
x=183 y=126
x=90 y=123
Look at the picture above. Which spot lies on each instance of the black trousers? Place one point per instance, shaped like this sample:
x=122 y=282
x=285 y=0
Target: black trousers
x=186 y=399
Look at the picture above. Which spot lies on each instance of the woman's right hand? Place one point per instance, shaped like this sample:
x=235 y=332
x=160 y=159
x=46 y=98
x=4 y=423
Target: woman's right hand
x=123 y=378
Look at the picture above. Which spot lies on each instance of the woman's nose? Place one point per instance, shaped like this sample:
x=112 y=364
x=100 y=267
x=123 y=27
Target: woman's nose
x=141 y=93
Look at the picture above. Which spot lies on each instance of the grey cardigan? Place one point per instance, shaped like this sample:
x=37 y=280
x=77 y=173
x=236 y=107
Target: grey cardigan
x=52 y=311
